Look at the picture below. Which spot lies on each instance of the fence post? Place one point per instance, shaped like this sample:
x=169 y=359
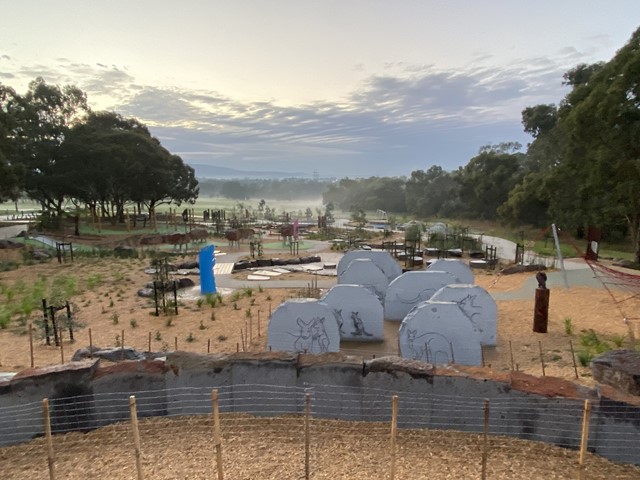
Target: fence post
x=216 y=434
x=573 y=357
x=511 y=354
x=31 y=343
x=541 y=358
x=47 y=433
x=307 y=434
x=90 y=345
x=585 y=436
x=136 y=434
x=485 y=440
x=394 y=432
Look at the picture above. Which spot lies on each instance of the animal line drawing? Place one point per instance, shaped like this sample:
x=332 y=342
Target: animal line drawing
x=312 y=336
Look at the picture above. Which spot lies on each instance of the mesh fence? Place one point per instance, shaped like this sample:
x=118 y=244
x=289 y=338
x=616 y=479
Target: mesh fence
x=319 y=431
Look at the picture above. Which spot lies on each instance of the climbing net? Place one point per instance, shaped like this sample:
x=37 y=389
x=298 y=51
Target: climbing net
x=623 y=287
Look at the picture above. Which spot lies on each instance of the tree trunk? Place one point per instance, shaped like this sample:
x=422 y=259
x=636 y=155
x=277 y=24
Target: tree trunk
x=635 y=234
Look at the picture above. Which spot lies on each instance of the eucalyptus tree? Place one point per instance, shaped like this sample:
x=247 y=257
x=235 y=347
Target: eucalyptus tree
x=44 y=120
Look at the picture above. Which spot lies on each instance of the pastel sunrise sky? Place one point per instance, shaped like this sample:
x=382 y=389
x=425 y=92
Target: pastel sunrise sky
x=341 y=87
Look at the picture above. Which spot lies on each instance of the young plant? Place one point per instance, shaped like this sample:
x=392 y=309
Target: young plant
x=190 y=338
x=568 y=326
x=114 y=318
x=202 y=327
x=158 y=336
x=133 y=323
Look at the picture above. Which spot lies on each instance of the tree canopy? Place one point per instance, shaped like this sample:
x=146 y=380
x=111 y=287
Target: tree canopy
x=55 y=150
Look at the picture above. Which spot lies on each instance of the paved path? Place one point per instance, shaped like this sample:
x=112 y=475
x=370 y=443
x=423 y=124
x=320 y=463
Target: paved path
x=12 y=231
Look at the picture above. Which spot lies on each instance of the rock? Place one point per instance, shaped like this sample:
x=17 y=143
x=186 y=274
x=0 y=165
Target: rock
x=113 y=354
x=265 y=262
x=620 y=369
x=241 y=265
x=188 y=265
x=145 y=292
x=40 y=255
x=278 y=262
x=293 y=261
x=522 y=268
x=315 y=258
x=185 y=283
x=9 y=244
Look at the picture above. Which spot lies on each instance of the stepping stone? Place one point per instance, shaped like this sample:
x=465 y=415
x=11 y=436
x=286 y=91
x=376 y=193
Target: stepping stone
x=281 y=270
x=268 y=273
x=258 y=278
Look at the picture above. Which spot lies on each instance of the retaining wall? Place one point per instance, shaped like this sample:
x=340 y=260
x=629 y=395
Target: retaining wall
x=84 y=395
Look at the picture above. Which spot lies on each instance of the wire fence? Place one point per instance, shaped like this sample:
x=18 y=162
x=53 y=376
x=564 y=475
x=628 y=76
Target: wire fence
x=316 y=431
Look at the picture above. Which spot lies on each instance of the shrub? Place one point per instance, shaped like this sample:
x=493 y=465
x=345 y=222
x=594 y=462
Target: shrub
x=568 y=326
x=133 y=323
x=190 y=338
x=114 y=318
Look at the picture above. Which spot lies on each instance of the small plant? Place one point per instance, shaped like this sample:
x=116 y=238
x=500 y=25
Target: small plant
x=110 y=302
x=247 y=313
x=260 y=289
x=235 y=297
x=114 y=318
x=190 y=338
x=200 y=302
x=158 y=336
x=118 y=343
x=589 y=338
x=213 y=316
x=133 y=323
x=219 y=298
x=221 y=338
x=248 y=291
x=202 y=327
x=268 y=298
x=618 y=340
x=585 y=357
x=165 y=347
x=568 y=326
x=235 y=306
x=252 y=302
x=104 y=310
x=168 y=322
x=211 y=300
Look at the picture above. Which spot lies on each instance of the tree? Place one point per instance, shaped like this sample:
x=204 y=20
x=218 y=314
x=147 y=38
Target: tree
x=432 y=193
x=485 y=182
x=47 y=114
x=540 y=119
x=11 y=172
x=112 y=160
x=601 y=161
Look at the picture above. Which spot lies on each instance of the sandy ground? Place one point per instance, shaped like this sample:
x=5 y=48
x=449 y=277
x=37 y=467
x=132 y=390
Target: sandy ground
x=104 y=294
x=106 y=302
x=338 y=450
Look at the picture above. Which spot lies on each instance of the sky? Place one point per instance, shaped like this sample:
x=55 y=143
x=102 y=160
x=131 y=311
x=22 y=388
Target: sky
x=338 y=87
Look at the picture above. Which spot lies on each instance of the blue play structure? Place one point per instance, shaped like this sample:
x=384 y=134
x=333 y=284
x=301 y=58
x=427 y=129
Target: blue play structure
x=207 y=261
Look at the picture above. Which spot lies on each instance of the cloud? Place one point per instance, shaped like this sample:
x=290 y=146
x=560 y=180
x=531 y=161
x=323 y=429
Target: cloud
x=406 y=117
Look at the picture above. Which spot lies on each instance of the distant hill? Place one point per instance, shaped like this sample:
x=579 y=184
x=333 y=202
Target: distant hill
x=214 y=171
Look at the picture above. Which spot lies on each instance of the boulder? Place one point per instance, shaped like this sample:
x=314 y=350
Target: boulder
x=113 y=354
x=620 y=369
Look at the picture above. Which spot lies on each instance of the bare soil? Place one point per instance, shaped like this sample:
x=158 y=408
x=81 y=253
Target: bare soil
x=107 y=303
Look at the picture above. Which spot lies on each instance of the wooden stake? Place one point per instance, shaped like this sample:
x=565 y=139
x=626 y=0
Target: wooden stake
x=394 y=432
x=250 y=330
x=31 y=343
x=149 y=343
x=237 y=347
x=176 y=343
x=61 y=347
x=136 y=434
x=485 y=440
x=47 y=433
x=90 y=345
x=246 y=334
x=481 y=355
x=208 y=345
x=307 y=434
x=585 y=437
x=217 y=440
x=122 y=346
x=258 y=323
x=573 y=357
x=541 y=358
x=511 y=354
x=242 y=339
